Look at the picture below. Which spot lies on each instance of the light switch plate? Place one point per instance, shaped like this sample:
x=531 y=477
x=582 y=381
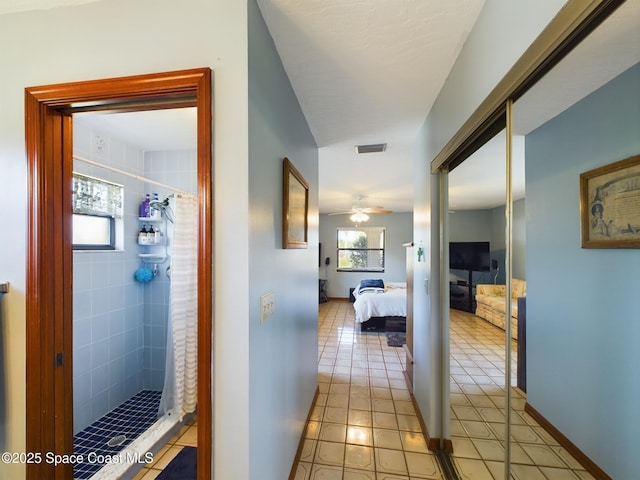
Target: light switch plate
x=267 y=306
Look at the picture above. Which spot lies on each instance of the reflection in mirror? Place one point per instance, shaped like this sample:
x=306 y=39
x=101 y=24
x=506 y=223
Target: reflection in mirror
x=479 y=350
x=579 y=305
x=122 y=321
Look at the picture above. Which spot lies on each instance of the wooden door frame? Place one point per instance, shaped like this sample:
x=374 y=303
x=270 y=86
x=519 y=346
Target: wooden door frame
x=49 y=296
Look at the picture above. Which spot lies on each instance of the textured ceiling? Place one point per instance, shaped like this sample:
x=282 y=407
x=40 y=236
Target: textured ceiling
x=368 y=72
x=11 y=6
x=368 y=69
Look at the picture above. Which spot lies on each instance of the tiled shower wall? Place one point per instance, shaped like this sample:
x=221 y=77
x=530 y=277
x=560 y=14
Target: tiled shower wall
x=178 y=169
x=119 y=324
x=108 y=303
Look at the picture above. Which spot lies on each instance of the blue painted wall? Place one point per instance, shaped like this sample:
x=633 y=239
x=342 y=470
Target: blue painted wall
x=583 y=315
x=283 y=365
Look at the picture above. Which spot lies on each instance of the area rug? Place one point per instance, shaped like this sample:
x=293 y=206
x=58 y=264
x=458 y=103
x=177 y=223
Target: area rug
x=396 y=339
x=182 y=467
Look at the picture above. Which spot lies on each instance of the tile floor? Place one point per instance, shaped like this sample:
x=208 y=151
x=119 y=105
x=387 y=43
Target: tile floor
x=186 y=437
x=114 y=431
x=477 y=412
x=364 y=427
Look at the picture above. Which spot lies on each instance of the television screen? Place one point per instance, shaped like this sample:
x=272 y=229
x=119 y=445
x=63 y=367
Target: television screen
x=474 y=256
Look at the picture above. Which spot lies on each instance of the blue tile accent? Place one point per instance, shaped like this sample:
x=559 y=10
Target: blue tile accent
x=99 y=380
x=131 y=419
x=100 y=327
x=81 y=332
x=116 y=346
x=100 y=353
x=81 y=389
x=81 y=360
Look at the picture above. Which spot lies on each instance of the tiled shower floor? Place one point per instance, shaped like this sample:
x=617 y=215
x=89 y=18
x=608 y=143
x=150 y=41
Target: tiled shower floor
x=129 y=419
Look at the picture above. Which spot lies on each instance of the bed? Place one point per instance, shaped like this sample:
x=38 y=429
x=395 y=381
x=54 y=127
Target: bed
x=380 y=306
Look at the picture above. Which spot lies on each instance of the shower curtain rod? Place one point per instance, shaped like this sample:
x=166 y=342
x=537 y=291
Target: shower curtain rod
x=123 y=172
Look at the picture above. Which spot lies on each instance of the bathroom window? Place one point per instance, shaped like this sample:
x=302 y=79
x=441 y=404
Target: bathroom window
x=97 y=213
x=93 y=232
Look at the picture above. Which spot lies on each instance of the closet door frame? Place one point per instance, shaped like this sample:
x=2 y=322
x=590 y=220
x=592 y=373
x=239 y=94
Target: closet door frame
x=576 y=20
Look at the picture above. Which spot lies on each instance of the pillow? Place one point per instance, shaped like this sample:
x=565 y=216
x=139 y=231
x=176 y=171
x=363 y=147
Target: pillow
x=371 y=283
x=371 y=290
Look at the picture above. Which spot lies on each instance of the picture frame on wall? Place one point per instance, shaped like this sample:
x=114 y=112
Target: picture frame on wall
x=295 y=207
x=610 y=205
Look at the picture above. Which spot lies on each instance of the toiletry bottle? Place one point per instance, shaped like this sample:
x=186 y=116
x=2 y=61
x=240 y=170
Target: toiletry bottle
x=142 y=236
x=146 y=205
x=155 y=213
x=142 y=208
x=151 y=235
x=158 y=236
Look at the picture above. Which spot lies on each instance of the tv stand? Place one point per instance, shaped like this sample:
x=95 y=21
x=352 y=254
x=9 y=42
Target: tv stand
x=461 y=295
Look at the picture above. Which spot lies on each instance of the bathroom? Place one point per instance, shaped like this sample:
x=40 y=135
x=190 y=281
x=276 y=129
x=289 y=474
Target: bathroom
x=121 y=292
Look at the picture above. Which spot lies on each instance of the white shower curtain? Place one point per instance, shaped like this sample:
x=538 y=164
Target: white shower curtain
x=179 y=395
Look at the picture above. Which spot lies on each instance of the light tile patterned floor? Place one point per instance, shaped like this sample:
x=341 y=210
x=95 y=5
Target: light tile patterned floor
x=364 y=427
x=477 y=412
x=186 y=437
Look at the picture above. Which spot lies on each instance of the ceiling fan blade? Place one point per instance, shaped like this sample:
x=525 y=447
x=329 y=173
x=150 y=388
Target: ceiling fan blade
x=375 y=210
x=341 y=213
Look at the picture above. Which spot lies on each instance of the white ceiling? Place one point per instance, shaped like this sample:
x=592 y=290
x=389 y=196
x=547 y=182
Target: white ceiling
x=368 y=72
x=151 y=130
x=11 y=6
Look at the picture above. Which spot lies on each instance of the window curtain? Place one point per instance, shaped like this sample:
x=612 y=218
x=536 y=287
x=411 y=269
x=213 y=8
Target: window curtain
x=92 y=196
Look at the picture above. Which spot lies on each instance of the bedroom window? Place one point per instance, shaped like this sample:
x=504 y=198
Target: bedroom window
x=361 y=249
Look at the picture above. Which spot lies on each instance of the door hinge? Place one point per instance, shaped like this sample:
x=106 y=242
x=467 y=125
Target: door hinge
x=59 y=359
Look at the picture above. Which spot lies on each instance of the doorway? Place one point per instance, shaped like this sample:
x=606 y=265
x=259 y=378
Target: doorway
x=49 y=127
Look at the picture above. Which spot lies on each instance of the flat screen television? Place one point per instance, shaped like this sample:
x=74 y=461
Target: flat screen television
x=472 y=256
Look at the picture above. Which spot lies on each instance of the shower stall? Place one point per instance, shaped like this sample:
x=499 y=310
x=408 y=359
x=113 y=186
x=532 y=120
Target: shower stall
x=134 y=317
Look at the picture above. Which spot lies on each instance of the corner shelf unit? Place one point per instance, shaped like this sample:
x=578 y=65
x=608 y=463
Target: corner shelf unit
x=153 y=252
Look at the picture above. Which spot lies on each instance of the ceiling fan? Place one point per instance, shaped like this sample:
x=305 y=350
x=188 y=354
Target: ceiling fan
x=361 y=214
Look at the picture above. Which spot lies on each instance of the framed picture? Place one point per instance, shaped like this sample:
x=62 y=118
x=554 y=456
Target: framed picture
x=610 y=205
x=295 y=207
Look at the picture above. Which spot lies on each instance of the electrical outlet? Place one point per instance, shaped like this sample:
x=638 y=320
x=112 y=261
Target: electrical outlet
x=267 y=306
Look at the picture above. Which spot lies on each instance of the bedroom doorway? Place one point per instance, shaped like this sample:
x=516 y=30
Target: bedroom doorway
x=49 y=124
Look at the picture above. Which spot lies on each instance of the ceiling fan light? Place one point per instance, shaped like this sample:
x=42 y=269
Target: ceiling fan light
x=359 y=217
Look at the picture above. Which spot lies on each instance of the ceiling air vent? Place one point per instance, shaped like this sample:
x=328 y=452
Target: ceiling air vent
x=374 y=148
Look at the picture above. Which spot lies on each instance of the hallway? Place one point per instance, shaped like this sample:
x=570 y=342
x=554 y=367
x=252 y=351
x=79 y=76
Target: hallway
x=364 y=425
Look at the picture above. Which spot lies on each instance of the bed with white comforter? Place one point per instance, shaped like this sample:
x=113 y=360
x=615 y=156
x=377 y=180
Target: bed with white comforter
x=389 y=300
